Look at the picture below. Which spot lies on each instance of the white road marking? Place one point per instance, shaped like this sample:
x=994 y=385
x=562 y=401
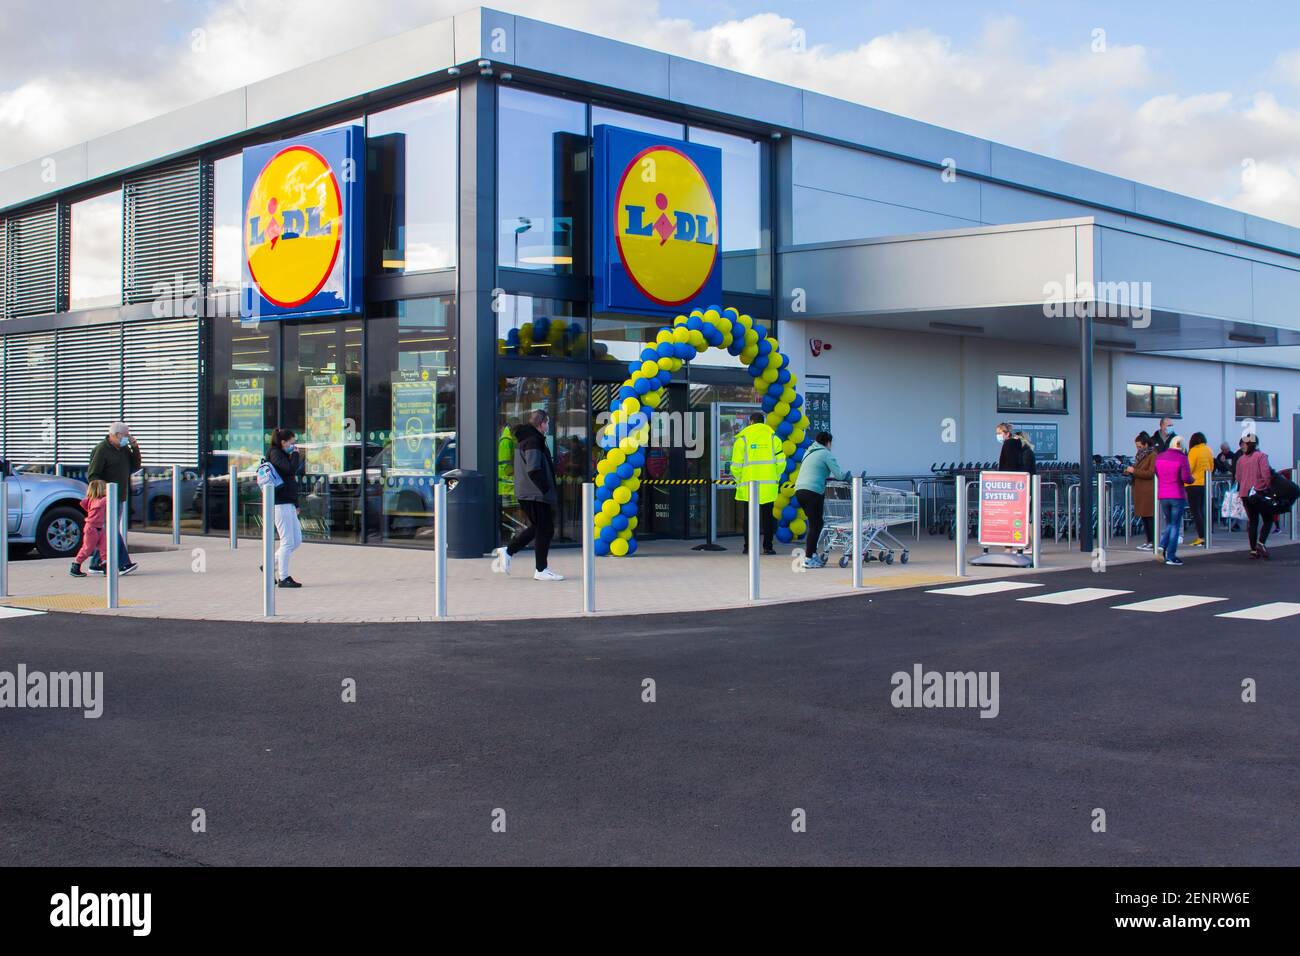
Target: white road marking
x=17 y=612
x=1265 y=612
x=1077 y=596
x=984 y=587
x=1175 y=602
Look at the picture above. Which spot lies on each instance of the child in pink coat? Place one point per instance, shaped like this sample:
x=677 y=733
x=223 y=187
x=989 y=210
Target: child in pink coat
x=93 y=537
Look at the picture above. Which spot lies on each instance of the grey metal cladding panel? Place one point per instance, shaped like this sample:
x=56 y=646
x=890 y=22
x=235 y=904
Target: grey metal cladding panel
x=838 y=119
x=160 y=389
x=725 y=91
x=580 y=56
x=1274 y=294
x=853 y=172
x=32 y=253
x=162 y=212
x=946 y=272
x=89 y=388
x=1055 y=176
x=1183 y=278
x=477 y=36
x=1171 y=207
x=59 y=170
x=28 y=420
x=1275 y=234
x=366 y=69
x=821 y=216
x=181 y=130
x=1000 y=205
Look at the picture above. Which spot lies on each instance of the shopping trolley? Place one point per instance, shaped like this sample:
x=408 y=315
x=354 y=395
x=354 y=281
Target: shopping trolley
x=882 y=508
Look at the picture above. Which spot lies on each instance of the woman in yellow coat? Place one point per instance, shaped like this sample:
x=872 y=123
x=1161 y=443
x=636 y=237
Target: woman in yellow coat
x=1200 y=459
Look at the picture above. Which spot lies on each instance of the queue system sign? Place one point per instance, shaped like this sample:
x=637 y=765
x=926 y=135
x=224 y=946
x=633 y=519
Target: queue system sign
x=1004 y=509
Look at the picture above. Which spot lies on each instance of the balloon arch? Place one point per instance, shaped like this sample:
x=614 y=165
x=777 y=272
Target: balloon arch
x=624 y=439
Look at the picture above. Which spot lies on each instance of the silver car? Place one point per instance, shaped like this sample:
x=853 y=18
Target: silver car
x=44 y=511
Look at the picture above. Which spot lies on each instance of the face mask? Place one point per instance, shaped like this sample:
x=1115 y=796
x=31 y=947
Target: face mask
x=1001 y=438
x=291 y=447
x=126 y=442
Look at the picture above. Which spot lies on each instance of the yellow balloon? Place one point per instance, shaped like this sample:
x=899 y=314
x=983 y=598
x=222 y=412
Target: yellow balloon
x=796 y=437
x=627 y=446
x=782 y=409
x=649 y=368
x=622 y=495
x=787 y=396
x=751 y=337
x=798 y=527
x=652 y=398
x=748 y=354
x=633 y=483
x=625 y=534
x=603 y=466
x=696 y=338
x=618 y=547
x=769 y=375
x=631 y=406
x=609 y=508
x=681 y=334
x=788 y=447
x=665 y=335
x=617 y=456
x=631 y=522
x=600 y=519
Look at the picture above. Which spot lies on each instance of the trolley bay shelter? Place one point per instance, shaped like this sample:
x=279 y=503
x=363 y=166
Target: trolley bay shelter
x=469 y=252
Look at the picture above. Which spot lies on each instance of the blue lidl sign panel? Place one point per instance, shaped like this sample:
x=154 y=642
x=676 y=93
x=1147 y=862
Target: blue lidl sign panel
x=658 y=233
x=302 y=225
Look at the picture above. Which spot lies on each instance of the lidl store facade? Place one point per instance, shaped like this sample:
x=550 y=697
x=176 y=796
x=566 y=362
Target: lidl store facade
x=400 y=250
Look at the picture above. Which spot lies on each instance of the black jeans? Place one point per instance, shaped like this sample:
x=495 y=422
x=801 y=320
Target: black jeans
x=766 y=524
x=813 y=505
x=1196 y=502
x=1149 y=527
x=540 y=530
x=1259 y=521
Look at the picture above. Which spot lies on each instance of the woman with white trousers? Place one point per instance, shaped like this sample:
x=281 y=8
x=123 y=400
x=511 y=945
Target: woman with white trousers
x=287 y=461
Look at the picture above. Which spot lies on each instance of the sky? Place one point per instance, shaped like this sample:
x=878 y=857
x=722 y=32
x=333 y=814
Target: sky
x=1199 y=97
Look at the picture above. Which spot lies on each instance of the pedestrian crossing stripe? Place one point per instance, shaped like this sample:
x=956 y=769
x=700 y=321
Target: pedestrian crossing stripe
x=1174 y=602
x=17 y=612
x=1265 y=612
x=984 y=587
x=1076 y=596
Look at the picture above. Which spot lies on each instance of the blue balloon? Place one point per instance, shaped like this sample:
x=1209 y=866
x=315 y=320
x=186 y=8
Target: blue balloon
x=694 y=324
x=512 y=336
x=618 y=523
x=789 y=513
x=612 y=480
x=631 y=546
x=784 y=535
x=797 y=401
x=713 y=336
x=625 y=471
x=737 y=345
x=793 y=415
x=769 y=403
x=629 y=510
x=776 y=388
x=626 y=391
x=729 y=312
x=764 y=346
x=798 y=455
x=665 y=377
x=753 y=370
x=575 y=328
x=784 y=429
x=640 y=387
x=602 y=494
x=649 y=355
x=665 y=350
x=783 y=376
x=684 y=350
x=602 y=547
x=609 y=532
x=633 y=368
x=636 y=459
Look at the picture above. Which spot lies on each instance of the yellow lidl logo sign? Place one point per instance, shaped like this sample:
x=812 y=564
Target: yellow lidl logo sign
x=659 y=231
x=293 y=226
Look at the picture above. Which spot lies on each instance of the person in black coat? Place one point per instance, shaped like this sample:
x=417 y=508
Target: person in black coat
x=287 y=461
x=538 y=493
x=1011 y=457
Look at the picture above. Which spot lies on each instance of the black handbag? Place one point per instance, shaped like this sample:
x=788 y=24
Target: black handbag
x=1283 y=492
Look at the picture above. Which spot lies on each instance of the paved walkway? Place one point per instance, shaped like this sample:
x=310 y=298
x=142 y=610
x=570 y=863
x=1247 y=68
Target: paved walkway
x=205 y=580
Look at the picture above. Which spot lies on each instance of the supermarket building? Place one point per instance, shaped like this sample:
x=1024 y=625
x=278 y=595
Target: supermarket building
x=926 y=284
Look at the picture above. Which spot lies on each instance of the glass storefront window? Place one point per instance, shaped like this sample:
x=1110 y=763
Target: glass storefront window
x=411 y=186
x=410 y=416
x=746 y=230
x=636 y=121
x=565 y=401
x=322 y=403
x=529 y=327
x=727 y=403
x=243 y=407
x=227 y=223
x=620 y=338
x=542 y=183
x=96 y=253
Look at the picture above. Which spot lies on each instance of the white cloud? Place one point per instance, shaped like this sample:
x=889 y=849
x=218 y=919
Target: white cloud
x=1105 y=110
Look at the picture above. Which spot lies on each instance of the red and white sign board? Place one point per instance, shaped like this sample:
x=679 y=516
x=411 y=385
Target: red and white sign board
x=1004 y=509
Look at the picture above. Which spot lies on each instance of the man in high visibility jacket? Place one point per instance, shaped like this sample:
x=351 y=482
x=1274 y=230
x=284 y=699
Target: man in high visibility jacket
x=757 y=456
x=506 y=464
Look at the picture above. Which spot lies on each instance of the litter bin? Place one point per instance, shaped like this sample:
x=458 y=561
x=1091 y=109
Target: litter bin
x=469 y=522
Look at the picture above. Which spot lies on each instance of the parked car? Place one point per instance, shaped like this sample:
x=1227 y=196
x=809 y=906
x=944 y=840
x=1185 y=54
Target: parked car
x=44 y=511
x=151 y=498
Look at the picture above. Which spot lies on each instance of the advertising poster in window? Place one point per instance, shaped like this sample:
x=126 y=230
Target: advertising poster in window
x=817 y=402
x=245 y=401
x=1004 y=509
x=324 y=398
x=730 y=419
x=415 y=408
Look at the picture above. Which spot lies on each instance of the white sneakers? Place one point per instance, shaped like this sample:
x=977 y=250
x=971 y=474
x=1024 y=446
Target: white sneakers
x=501 y=561
x=547 y=575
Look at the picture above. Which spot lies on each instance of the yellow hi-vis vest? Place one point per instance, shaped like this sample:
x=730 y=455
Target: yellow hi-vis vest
x=506 y=464
x=757 y=456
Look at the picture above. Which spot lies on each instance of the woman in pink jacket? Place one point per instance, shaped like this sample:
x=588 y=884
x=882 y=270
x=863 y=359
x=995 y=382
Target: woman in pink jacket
x=1254 y=476
x=1173 y=475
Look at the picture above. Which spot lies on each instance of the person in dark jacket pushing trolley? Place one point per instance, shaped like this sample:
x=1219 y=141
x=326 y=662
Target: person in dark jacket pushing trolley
x=538 y=497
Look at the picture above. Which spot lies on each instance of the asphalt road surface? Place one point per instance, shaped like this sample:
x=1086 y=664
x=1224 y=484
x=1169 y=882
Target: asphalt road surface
x=758 y=714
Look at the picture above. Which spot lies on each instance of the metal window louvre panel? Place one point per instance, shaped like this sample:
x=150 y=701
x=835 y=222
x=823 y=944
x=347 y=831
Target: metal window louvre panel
x=162 y=213
x=160 y=389
x=4 y=284
x=29 y=369
x=89 y=394
x=32 y=262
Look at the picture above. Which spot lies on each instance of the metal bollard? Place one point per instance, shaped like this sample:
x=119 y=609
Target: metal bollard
x=755 y=509
x=857 y=531
x=234 y=505
x=58 y=469
x=1295 y=507
x=588 y=547
x=1103 y=517
x=176 y=505
x=1128 y=511
x=440 y=548
x=268 y=551
x=1209 y=508
x=1155 y=517
x=112 y=529
x=960 y=521
x=1036 y=518
x=4 y=536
